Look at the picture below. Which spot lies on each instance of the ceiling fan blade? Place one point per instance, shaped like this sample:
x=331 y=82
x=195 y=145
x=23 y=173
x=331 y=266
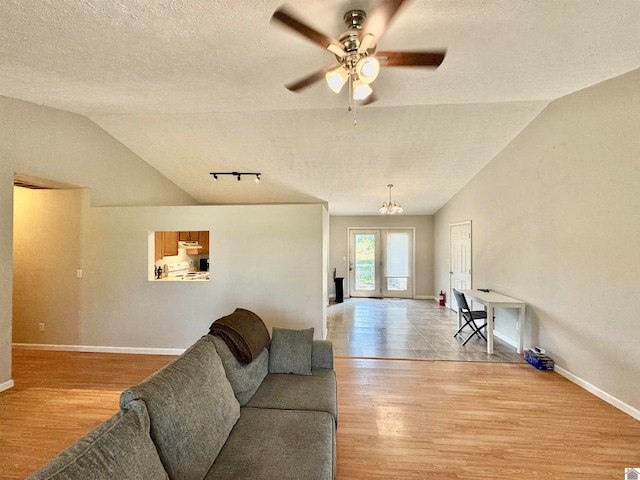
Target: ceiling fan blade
x=411 y=59
x=287 y=18
x=309 y=79
x=379 y=19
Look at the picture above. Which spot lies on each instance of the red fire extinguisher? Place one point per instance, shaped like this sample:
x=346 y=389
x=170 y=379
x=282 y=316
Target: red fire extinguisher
x=441 y=297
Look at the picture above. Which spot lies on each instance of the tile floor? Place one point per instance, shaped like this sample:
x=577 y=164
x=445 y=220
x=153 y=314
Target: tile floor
x=398 y=328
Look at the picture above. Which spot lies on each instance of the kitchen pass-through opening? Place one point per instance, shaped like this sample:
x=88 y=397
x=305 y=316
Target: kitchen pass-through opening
x=176 y=256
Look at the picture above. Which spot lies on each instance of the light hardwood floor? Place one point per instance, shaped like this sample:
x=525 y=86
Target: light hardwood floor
x=398 y=418
x=399 y=328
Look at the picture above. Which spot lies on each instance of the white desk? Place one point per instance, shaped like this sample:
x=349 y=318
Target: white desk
x=492 y=300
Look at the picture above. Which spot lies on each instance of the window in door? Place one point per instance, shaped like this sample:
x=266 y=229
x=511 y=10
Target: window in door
x=364 y=273
x=398 y=255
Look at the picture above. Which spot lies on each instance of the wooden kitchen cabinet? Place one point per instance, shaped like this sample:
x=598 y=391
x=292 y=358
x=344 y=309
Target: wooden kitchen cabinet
x=204 y=241
x=189 y=236
x=170 y=244
x=159 y=250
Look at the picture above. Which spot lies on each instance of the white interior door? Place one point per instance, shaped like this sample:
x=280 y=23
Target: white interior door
x=459 y=260
x=364 y=263
x=397 y=274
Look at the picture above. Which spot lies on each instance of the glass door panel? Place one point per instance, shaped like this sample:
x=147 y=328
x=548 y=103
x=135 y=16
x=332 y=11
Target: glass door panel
x=398 y=255
x=364 y=272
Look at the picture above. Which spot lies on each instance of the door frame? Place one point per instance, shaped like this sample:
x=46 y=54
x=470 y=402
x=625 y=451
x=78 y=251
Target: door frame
x=380 y=229
x=377 y=292
x=450 y=303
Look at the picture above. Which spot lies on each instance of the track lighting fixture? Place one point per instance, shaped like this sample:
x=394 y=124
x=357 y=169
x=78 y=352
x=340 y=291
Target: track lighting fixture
x=238 y=175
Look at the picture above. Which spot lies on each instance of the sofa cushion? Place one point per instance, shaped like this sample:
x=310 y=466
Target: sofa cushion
x=192 y=409
x=244 y=378
x=316 y=392
x=287 y=445
x=290 y=351
x=322 y=354
x=118 y=448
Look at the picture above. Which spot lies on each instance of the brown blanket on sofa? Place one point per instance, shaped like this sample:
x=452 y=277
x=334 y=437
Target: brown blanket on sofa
x=244 y=332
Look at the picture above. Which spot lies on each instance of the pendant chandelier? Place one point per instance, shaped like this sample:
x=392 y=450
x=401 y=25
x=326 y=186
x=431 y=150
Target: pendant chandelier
x=390 y=207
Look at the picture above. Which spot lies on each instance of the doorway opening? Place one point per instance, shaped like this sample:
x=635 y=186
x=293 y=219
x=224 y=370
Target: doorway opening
x=47 y=260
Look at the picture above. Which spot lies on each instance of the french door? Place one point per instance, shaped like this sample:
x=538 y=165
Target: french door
x=381 y=263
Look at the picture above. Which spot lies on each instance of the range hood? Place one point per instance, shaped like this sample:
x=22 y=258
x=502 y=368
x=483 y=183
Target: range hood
x=189 y=244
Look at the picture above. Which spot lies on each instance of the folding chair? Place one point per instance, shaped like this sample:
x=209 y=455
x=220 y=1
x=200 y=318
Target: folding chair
x=470 y=318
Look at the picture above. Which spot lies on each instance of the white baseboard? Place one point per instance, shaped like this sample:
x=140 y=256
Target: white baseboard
x=99 y=349
x=6 y=385
x=610 y=399
x=424 y=297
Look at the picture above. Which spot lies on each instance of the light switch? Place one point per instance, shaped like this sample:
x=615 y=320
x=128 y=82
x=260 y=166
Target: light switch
x=79 y=273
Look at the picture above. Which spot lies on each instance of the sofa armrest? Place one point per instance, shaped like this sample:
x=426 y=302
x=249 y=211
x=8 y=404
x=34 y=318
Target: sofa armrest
x=322 y=354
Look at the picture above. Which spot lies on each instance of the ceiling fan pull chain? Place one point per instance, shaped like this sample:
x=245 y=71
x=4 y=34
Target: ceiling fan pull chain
x=352 y=102
x=355 y=122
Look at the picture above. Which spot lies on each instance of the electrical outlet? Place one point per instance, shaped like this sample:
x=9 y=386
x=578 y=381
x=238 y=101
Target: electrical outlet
x=79 y=273
x=41 y=327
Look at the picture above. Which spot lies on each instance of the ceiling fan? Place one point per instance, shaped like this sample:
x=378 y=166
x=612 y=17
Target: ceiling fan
x=357 y=60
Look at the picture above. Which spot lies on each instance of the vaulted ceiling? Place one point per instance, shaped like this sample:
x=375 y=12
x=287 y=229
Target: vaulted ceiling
x=194 y=86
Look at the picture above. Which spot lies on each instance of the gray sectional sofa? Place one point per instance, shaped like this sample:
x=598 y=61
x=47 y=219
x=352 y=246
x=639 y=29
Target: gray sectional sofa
x=207 y=415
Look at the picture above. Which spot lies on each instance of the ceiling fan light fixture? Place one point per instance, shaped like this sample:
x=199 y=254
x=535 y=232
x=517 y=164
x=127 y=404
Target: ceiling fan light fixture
x=367 y=42
x=367 y=69
x=336 y=78
x=361 y=90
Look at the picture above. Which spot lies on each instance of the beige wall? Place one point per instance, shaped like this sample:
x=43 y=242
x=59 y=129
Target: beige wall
x=556 y=223
x=268 y=259
x=423 y=224
x=49 y=143
x=6 y=270
x=271 y=259
x=325 y=264
x=65 y=147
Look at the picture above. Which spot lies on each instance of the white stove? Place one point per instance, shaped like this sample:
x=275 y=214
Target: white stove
x=180 y=271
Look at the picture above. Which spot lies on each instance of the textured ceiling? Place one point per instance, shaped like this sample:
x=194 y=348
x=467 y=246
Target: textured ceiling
x=195 y=86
